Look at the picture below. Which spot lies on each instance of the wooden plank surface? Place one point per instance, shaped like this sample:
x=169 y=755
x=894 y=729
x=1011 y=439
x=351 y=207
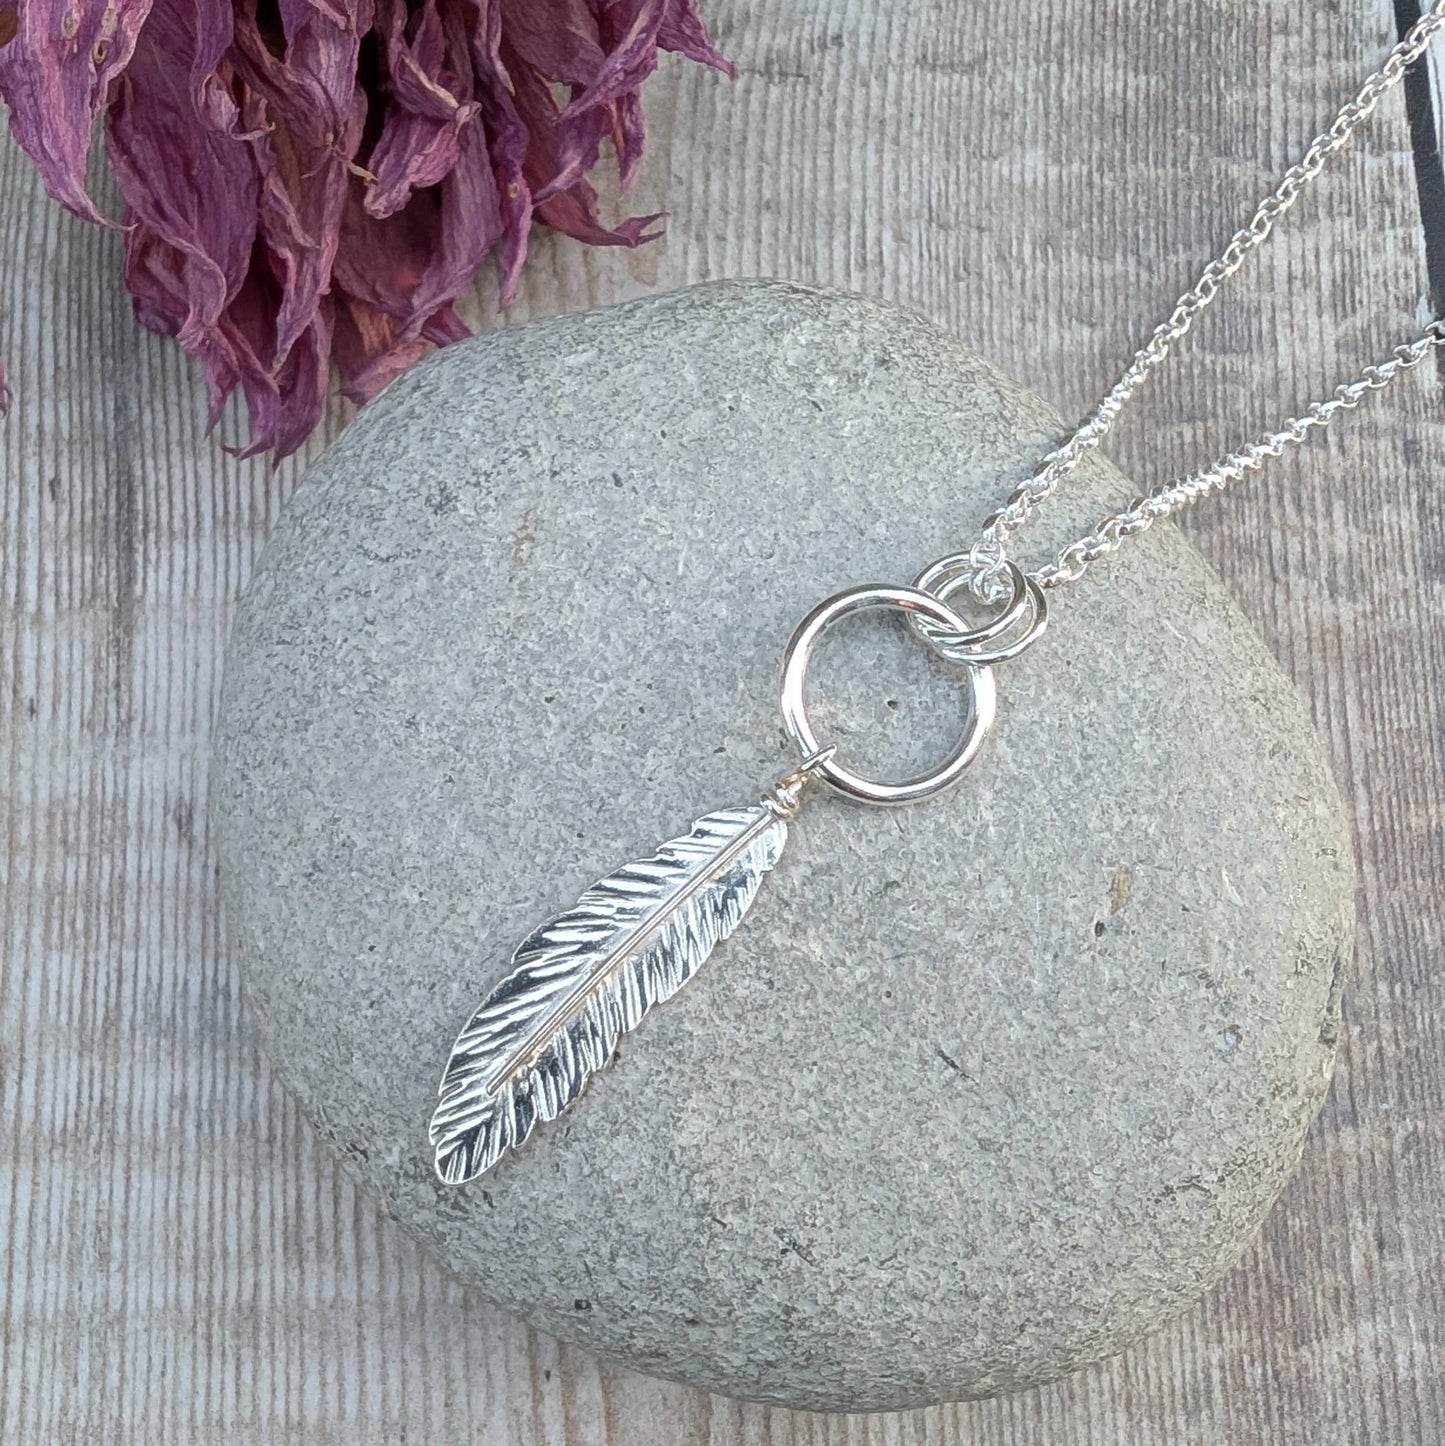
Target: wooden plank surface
x=179 y=1262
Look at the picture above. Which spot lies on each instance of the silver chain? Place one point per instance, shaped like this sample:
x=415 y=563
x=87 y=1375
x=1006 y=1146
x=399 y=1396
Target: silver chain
x=988 y=558
x=986 y=571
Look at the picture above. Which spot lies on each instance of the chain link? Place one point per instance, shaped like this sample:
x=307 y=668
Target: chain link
x=988 y=555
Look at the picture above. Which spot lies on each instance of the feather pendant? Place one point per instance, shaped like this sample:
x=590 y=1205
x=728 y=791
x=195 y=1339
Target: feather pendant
x=588 y=976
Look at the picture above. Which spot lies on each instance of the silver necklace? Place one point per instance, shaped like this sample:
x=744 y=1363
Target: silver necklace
x=589 y=975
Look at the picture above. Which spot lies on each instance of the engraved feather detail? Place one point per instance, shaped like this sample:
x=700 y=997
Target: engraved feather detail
x=588 y=976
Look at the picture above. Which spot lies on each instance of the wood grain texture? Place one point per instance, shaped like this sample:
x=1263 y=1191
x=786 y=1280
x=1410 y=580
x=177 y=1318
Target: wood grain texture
x=179 y=1261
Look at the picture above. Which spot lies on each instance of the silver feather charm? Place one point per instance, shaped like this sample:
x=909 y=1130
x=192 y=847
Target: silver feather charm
x=588 y=976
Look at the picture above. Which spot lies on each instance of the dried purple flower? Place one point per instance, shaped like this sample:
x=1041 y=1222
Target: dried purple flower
x=308 y=182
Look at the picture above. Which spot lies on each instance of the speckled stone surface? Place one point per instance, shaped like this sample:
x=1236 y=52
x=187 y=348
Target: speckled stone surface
x=982 y=1089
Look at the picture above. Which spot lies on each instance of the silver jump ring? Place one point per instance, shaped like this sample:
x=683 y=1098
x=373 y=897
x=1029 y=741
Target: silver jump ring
x=977 y=678
x=950 y=575
x=1035 y=627
x=1027 y=604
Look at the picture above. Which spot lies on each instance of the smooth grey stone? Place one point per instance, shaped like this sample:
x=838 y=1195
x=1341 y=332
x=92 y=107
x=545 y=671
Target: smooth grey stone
x=982 y=1089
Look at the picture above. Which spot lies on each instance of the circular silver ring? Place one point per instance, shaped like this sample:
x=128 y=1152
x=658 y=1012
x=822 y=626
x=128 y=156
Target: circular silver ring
x=977 y=677
x=1026 y=604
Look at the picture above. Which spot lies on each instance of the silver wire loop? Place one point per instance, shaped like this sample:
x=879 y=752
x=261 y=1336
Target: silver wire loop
x=823 y=760
x=1025 y=612
x=785 y=795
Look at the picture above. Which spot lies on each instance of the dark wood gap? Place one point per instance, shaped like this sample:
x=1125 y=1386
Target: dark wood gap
x=1429 y=169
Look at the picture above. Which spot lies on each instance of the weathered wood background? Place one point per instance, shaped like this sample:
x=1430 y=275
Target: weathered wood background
x=180 y=1261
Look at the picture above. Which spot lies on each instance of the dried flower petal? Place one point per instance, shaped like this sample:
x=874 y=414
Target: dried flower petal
x=56 y=69
x=315 y=182
x=431 y=90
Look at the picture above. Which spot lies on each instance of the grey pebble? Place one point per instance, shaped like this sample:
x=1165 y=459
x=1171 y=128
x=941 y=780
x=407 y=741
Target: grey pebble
x=982 y=1089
